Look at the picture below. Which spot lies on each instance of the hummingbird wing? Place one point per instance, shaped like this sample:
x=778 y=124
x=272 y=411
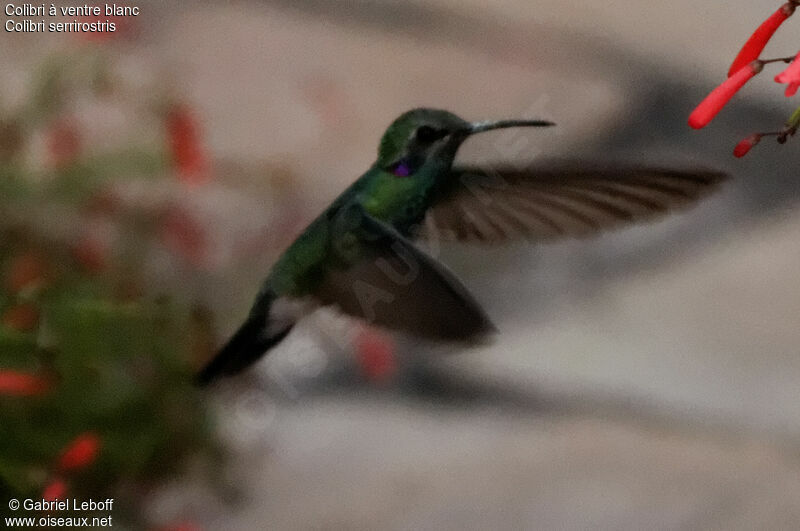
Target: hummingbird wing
x=384 y=279
x=495 y=205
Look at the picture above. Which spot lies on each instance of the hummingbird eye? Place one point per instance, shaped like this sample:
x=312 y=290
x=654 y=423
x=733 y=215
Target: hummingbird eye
x=427 y=134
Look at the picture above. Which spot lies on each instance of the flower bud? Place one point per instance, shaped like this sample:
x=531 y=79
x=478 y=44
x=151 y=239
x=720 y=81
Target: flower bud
x=716 y=100
x=759 y=39
x=745 y=145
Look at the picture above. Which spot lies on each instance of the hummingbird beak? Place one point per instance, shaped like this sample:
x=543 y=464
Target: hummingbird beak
x=480 y=127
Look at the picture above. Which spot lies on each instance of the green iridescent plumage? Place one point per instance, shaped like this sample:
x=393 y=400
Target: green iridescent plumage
x=399 y=202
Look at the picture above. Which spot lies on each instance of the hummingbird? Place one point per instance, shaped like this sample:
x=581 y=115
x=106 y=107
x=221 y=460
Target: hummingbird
x=360 y=256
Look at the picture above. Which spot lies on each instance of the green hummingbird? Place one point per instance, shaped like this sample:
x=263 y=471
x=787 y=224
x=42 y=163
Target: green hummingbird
x=359 y=254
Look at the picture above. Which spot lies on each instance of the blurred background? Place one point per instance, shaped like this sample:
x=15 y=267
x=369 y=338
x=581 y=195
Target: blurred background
x=644 y=379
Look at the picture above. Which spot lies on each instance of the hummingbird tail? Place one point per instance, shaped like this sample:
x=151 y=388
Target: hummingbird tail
x=253 y=339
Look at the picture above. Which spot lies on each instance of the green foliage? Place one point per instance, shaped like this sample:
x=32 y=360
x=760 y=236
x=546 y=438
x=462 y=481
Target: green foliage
x=121 y=363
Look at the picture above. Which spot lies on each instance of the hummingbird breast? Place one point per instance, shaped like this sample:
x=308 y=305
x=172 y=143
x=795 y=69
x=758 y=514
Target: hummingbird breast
x=402 y=202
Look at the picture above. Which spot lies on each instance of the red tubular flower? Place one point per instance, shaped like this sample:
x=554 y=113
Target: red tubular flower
x=714 y=102
x=182 y=526
x=791 y=76
x=92 y=254
x=103 y=203
x=23 y=317
x=758 y=40
x=55 y=490
x=375 y=355
x=63 y=142
x=188 y=155
x=80 y=453
x=25 y=272
x=14 y=383
x=185 y=236
x=743 y=147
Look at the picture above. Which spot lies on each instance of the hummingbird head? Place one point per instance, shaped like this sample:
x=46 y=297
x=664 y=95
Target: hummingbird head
x=423 y=136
